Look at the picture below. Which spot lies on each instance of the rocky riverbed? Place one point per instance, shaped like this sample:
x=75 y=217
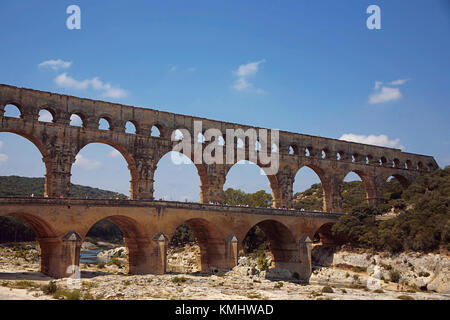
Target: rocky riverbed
x=337 y=274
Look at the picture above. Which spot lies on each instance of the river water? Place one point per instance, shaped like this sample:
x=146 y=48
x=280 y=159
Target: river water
x=90 y=256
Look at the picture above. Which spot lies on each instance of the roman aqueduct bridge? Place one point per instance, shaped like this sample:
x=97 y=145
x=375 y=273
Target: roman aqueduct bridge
x=61 y=224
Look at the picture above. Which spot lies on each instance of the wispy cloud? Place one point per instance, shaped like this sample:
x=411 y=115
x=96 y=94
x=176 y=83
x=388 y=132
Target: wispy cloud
x=55 y=64
x=243 y=72
x=173 y=68
x=383 y=93
x=192 y=69
x=3 y=156
x=398 y=82
x=85 y=163
x=108 y=91
x=380 y=140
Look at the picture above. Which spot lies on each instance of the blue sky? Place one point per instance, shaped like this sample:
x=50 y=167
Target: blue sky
x=311 y=67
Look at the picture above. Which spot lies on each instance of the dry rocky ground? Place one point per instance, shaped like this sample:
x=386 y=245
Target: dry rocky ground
x=337 y=275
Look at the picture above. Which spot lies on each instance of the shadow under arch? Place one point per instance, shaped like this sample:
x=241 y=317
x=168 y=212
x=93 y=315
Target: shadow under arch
x=45 y=236
x=135 y=238
x=283 y=246
x=132 y=167
x=211 y=242
x=326 y=185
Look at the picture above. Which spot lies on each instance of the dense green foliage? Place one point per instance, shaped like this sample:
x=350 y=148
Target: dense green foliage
x=238 y=197
x=182 y=235
x=422 y=222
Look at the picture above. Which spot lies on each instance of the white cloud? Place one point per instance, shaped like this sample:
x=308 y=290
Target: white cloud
x=114 y=153
x=173 y=68
x=384 y=95
x=85 y=163
x=249 y=69
x=399 y=82
x=381 y=140
x=56 y=64
x=1 y=144
x=65 y=81
x=244 y=71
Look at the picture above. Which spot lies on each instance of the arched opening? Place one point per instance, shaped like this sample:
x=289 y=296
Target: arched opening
x=156 y=131
x=101 y=171
x=183 y=254
x=393 y=190
x=177 y=135
x=112 y=245
x=308 y=151
x=246 y=184
x=12 y=111
x=22 y=171
x=104 y=124
x=353 y=192
x=339 y=155
x=293 y=149
x=21 y=247
x=130 y=128
x=76 y=120
x=177 y=178
x=308 y=191
x=200 y=138
x=197 y=245
x=408 y=164
x=274 y=247
x=45 y=116
x=240 y=143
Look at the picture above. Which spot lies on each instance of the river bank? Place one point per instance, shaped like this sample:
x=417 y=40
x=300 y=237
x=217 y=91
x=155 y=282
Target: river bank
x=337 y=274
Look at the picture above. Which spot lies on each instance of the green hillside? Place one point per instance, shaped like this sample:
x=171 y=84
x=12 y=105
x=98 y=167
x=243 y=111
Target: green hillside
x=15 y=186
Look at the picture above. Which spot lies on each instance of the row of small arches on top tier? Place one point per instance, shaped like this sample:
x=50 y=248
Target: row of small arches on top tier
x=77 y=120
x=358 y=158
x=131 y=127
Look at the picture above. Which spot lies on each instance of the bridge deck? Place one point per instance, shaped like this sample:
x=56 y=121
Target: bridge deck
x=163 y=204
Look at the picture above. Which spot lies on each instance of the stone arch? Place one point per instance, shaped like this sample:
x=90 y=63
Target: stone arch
x=403 y=180
x=282 y=244
x=201 y=171
x=327 y=186
x=108 y=119
x=82 y=117
x=211 y=242
x=15 y=104
x=125 y=154
x=135 y=126
x=161 y=129
x=135 y=236
x=41 y=228
x=47 y=238
x=39 y=144
x=51 y=109
x=325 y=234
x=368 y=181
x=273 y=183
